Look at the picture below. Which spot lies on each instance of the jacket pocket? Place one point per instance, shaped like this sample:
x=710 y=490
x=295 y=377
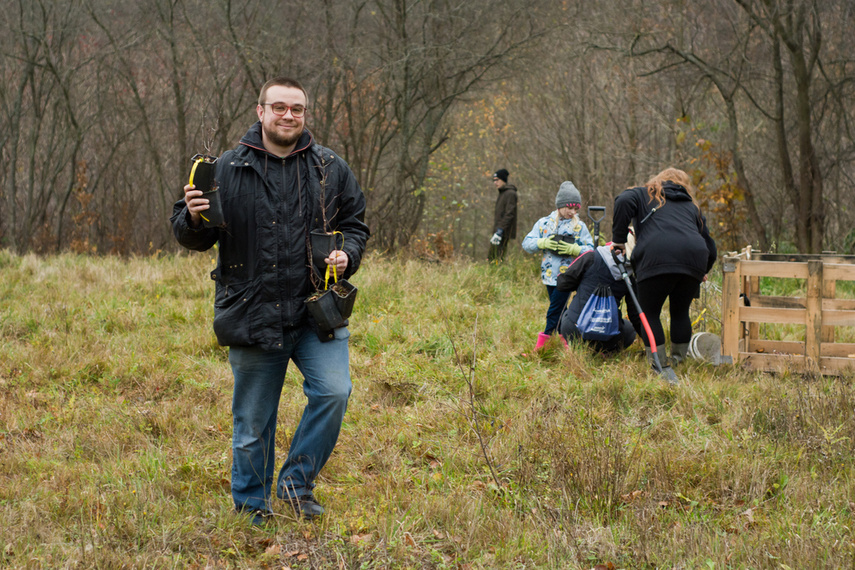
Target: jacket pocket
x=232 y=305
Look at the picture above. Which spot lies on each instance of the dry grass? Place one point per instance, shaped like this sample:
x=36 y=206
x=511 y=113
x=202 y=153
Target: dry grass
x=115 y=435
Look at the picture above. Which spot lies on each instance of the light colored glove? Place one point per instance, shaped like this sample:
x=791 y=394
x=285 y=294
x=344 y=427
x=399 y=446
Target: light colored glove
x=496 y=239
x=568 y=249
x=547 y=243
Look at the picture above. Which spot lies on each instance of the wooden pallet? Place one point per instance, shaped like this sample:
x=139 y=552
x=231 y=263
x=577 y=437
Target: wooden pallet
x=818 y=311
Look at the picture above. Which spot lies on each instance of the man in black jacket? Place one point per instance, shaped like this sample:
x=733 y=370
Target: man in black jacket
x=276 y=186
x=505 y=216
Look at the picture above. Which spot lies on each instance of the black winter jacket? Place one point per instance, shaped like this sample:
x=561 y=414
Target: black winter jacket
x=269 y=205
x=591 y=269
x=670 y=239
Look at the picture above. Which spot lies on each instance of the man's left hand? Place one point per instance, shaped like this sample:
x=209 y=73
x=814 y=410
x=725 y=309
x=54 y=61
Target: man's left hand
x=496 y=239
x=338 y=258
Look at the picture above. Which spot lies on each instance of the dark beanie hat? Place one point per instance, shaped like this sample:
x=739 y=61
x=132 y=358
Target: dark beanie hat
x=501 y=174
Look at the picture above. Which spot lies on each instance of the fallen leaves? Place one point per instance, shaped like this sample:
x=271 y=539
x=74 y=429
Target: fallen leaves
x=629 y=497
x=360 y=539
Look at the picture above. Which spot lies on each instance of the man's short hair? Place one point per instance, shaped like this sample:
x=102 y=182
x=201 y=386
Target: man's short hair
x=281 y=82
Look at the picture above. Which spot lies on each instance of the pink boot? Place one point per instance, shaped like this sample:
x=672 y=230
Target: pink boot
x=541 y=340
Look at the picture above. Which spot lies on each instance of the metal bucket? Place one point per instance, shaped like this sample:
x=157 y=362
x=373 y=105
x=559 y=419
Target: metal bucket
x=706 y=347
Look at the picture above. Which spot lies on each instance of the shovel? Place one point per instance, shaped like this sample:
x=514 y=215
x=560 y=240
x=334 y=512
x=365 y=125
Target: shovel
x=665 y=371
x=602 y=211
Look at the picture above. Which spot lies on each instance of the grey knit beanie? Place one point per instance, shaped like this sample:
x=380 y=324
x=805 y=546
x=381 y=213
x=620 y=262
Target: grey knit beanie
x=568 y=195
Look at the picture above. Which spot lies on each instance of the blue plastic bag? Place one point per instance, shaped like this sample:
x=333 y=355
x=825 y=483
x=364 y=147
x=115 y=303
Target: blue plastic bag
x=599 y=319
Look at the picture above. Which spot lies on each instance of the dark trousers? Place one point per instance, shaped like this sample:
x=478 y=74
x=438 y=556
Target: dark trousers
x=497 y=252
x=616 y=343
x=679 y=289
x=557 y=300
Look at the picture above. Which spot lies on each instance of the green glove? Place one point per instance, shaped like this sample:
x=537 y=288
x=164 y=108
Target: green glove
x=568 y=249
x=547 y=243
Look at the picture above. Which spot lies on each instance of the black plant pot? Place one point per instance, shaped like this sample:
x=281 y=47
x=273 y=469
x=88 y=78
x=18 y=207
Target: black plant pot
x=322 y=244
x=202 y=177
x=345 y=296
x=324 y=309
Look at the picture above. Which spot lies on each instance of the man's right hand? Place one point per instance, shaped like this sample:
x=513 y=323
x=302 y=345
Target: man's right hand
x=547 y=243
x=195 y=204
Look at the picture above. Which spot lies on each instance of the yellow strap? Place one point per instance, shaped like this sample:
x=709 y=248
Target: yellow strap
x=192 y=174
x=699 y=318
x=327 y=277
x=334 y=268
x=193 y=170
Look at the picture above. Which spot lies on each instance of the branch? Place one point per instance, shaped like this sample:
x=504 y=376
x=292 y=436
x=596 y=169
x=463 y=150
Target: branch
x=470 y=382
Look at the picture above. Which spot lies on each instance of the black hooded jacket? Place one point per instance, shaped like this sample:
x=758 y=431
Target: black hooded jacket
x=270 y=204
x=669 y=239
x=591 y=269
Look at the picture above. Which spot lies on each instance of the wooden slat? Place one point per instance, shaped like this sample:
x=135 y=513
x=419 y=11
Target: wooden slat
x=777 y=302
x=792 y=347
x=774 y=269
x=731 y=328
x=839 y=350
x=804 y=257
x=772 y=363
x=838 y=304
x=777 y=347
x=839 y=272
x=764 y=315
x=838 y=318
x=829 y=290
x=813 y=308
x=830 y=365
x=753 y=291
x=771 y=301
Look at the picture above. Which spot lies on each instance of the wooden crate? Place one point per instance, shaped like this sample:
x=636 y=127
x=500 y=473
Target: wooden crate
x=819 y=311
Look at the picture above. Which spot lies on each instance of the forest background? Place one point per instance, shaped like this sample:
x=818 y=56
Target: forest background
x=103 y=103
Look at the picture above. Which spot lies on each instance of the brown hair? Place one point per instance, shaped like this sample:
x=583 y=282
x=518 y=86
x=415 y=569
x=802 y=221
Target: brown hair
x=675 y=175
x=281 y=82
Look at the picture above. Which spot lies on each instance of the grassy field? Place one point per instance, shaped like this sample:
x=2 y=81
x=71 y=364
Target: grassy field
x=461 y=448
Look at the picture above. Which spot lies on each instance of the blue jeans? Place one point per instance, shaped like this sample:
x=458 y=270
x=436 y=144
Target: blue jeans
x=259 y=377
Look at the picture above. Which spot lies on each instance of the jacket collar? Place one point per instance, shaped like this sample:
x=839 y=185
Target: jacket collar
x=253 y=140
x=605 y=252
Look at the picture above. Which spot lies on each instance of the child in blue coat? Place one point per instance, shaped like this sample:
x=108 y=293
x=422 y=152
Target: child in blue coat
x=561 y=236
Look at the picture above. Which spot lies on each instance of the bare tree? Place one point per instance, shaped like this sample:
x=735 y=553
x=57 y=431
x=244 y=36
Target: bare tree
x=103 y=103
x=785 y=37
x=399 y=76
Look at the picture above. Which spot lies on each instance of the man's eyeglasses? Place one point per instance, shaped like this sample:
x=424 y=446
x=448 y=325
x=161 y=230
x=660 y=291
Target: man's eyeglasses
x=280 y=109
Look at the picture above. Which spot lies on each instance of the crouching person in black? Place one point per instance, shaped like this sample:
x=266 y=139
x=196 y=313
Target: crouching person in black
x=587 y=272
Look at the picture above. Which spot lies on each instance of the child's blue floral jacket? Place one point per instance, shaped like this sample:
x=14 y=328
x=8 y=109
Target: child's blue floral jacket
x=554 y=264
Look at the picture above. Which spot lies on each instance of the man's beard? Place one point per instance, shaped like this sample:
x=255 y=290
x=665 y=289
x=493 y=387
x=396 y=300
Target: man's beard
x=282 y=140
